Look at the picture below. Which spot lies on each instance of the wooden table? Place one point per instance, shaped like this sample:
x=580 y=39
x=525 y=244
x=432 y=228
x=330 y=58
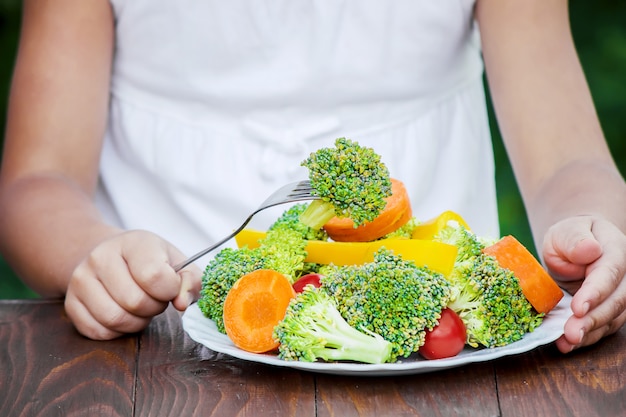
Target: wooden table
x=47 y=369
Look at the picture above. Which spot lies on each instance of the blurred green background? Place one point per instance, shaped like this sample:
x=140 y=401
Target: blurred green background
x=600 y=35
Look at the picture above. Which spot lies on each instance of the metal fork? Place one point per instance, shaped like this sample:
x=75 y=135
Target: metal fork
x=290 y=193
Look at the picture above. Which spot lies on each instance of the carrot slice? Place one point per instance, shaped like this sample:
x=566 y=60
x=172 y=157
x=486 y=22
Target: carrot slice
x=254 y=306
x=538 y=287
x=396 y=214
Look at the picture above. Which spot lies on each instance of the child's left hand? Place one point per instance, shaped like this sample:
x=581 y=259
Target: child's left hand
x=587 y=257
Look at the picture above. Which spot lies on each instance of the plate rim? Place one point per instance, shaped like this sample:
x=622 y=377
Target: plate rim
x=203 y=331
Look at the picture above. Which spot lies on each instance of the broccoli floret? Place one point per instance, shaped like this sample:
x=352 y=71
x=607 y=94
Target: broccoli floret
x=350 y=181
x=290 y=219
x=282 y=250
x=311 y=268
x=220 y=275
x=490 y=302
x=487 y=297
x=468 y=243
x=390 y=296
x=403 y=232
x=313 y=328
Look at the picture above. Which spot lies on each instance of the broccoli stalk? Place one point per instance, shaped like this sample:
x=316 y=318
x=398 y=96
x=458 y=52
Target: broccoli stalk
x=314 y=329
x=290 y=219
x=317 y=214
x=350 y=181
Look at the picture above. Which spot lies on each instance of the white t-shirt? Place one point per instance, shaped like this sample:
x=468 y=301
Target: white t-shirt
x=215 y=104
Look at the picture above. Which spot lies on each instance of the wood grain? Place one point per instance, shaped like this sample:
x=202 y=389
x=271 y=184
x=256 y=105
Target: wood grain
x=588 y=382
x=48 y=369
x=467 y=391
x=178 y=377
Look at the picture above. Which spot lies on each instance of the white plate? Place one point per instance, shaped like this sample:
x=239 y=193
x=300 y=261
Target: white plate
x=203 y=331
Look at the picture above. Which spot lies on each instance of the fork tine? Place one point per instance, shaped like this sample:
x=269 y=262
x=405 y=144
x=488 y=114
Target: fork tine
x=303 y=185
x=297 y=191
x=301 y=194
x=291 y=192
x=302 y=189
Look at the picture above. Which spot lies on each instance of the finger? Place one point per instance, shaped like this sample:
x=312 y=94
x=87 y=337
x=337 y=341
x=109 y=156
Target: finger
x=100 y=316
x=118 y=282
x=190 y=287
x=569 y=246
x=605 y=318
x=148 y=261
x=85 y=323
x=606 y=274
x=602 y=282
x=585 y=251
x=609 y=328
x=578 y=339
x=190 y=280
x=564 y=345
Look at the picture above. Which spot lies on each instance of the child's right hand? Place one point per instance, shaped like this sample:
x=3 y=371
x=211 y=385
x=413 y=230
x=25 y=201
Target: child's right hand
x=124 y=282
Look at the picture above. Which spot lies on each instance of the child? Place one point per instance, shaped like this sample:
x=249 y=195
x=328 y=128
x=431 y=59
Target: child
x=139 y=132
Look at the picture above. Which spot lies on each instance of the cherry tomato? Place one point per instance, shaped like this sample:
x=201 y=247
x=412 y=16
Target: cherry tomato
x=308 y=279
x=447 y=339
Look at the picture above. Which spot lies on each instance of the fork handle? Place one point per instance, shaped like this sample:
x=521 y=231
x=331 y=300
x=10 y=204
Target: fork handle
x=200 y=254
x=203 y=252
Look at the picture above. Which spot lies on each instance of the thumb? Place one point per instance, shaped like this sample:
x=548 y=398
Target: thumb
x=569 y=246
x=190 y=283
x=585 y=251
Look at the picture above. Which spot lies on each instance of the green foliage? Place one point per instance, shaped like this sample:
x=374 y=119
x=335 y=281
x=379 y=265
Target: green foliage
x=11 y=286
x=10 y=13
x=351 y=181
x=391 y=297
x=314 y=329
x=600 y=36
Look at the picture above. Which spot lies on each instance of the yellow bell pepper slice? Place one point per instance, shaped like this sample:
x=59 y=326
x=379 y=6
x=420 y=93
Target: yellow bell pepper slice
x=430 y=228
x=437 y=256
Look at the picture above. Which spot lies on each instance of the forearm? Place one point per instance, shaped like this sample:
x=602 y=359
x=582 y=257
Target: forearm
x=546 y=114
x=56 y=120
x=47 y=226
x=585 y=187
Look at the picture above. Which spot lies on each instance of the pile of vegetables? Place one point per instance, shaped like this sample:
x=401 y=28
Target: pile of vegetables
x=354 y=276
